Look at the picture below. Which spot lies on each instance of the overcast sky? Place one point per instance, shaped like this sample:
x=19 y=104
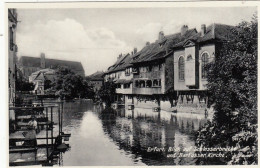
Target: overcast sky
x=95 y=37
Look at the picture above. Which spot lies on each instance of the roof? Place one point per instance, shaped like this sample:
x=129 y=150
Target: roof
x=96 y=76
x=43 y=74
x=123 y=81
x=164 y=47
x=121 y=64
x=28 y=61
x=161 y=48
x=40 y=76
x=45 y=71
x=216 y=31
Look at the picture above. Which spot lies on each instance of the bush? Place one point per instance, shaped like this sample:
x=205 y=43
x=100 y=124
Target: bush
x=232 y=85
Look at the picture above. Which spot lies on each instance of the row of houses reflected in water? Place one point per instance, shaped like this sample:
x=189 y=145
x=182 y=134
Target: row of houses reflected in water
x=140 y=131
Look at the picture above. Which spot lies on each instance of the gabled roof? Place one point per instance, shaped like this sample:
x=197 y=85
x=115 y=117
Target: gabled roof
x=40 y=76
x=164 y=47
x=121 y=64
x=45 y=71
x=97 y=76
x=216 y=31
x=161 y=48
x=43 y=74
x=36 y=62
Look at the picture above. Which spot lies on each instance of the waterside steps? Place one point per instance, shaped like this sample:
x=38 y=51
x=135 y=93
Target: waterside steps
x=48 y=140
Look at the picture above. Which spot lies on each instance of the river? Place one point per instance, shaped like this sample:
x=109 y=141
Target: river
x=127 y=137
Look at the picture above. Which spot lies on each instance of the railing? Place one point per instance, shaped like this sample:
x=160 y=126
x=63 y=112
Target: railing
x=150 y=75
x=124 y=91
x=147 y=91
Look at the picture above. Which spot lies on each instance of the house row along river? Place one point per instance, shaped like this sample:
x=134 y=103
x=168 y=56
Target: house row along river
x=127 y=137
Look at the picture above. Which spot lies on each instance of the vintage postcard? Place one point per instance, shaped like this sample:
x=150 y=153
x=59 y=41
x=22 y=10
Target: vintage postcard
x=132 y=83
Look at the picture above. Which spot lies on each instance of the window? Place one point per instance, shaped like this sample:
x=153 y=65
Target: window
x=148 y=83
x=126 y=85
x=157 y=83
x=118 y=86
x=156 y=68
x=127 y=72
x=160 y=67
x=149 y=68
x=189 y=58
x=142 y=84
x=204 y=61
x=136 y=84
x=181 y=68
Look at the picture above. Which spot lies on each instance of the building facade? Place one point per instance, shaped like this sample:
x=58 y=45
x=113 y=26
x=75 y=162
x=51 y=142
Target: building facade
x=171 y=72
x=29 y=65
x=96 y=80
x=41 y=78
x=12 y=53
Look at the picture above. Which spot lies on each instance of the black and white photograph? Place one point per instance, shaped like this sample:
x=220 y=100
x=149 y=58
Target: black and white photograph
x=131 y=84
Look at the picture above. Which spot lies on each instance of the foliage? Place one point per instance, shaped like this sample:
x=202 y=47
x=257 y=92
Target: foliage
x=47 y=84
x=107 y=92
x=232 y=84
x=23 y=85
x=70 y=85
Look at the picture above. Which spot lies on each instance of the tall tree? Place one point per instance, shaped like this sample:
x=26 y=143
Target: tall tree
x=107 y=92
x=232 y=84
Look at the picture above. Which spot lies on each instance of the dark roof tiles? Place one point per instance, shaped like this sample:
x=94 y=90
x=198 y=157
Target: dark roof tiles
x=162 y=48
x=36 y=62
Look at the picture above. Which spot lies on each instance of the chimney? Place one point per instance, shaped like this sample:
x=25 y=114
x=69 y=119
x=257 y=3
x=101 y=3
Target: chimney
x=203 y=30
x=42 y=60
x=184 y=29
x=120 y=55
x=161 y=35
x=135 y=50
x=147 y=43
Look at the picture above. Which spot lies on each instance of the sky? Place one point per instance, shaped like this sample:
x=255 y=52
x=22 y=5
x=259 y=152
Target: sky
x=96 y=36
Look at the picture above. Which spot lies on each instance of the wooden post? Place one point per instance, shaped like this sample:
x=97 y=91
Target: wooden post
x=59 y=116
x=52 y=128
x=47 y=148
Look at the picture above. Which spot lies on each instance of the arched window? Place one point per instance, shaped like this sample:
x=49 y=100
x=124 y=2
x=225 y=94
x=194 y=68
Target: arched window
x=142 y=83
x=181 y=68
x=204 y=61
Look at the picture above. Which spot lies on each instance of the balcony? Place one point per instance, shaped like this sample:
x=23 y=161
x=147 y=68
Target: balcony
x=124 y=91
x=148 y=91
x=150 y=75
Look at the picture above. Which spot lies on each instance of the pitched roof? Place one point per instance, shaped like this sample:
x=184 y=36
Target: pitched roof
x=36 y=62
x=121 y=64
x=164 y=47
x=40 y=76
x=216 y=31
x=46 y=73
x=96 y=76
x=161 y=48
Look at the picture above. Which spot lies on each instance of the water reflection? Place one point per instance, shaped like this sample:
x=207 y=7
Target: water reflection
x=141 y=131
x=127 y=137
